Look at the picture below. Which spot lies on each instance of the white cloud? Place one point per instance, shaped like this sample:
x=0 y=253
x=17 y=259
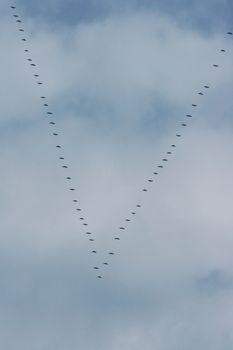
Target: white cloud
x=110 y=84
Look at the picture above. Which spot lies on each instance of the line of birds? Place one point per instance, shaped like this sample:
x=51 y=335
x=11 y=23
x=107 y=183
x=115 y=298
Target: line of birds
x=149 y=180
x=163 y=161
x=89 y=234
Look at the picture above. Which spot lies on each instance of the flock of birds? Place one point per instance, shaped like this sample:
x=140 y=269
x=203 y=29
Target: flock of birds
x=68 y=177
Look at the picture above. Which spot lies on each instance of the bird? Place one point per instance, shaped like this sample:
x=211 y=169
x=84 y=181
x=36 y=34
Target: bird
x=215 y=65
x=188 y=115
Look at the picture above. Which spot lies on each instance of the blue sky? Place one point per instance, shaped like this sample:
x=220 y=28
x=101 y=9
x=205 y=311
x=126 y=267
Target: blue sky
x=120 y=78
x=201 y=15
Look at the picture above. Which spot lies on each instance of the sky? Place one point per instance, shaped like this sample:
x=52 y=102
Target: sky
x=120 y=78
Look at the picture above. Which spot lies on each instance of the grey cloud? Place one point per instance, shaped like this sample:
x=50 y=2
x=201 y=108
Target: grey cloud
x=214 y=281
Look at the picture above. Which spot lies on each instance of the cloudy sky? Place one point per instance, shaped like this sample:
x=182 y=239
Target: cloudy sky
x=119 y=77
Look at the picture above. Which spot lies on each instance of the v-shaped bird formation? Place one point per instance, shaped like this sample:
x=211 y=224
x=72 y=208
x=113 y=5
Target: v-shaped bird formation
x=51 y=122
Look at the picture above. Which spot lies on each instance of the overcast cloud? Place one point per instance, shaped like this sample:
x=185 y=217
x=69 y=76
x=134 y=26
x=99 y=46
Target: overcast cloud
x=120 y=77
